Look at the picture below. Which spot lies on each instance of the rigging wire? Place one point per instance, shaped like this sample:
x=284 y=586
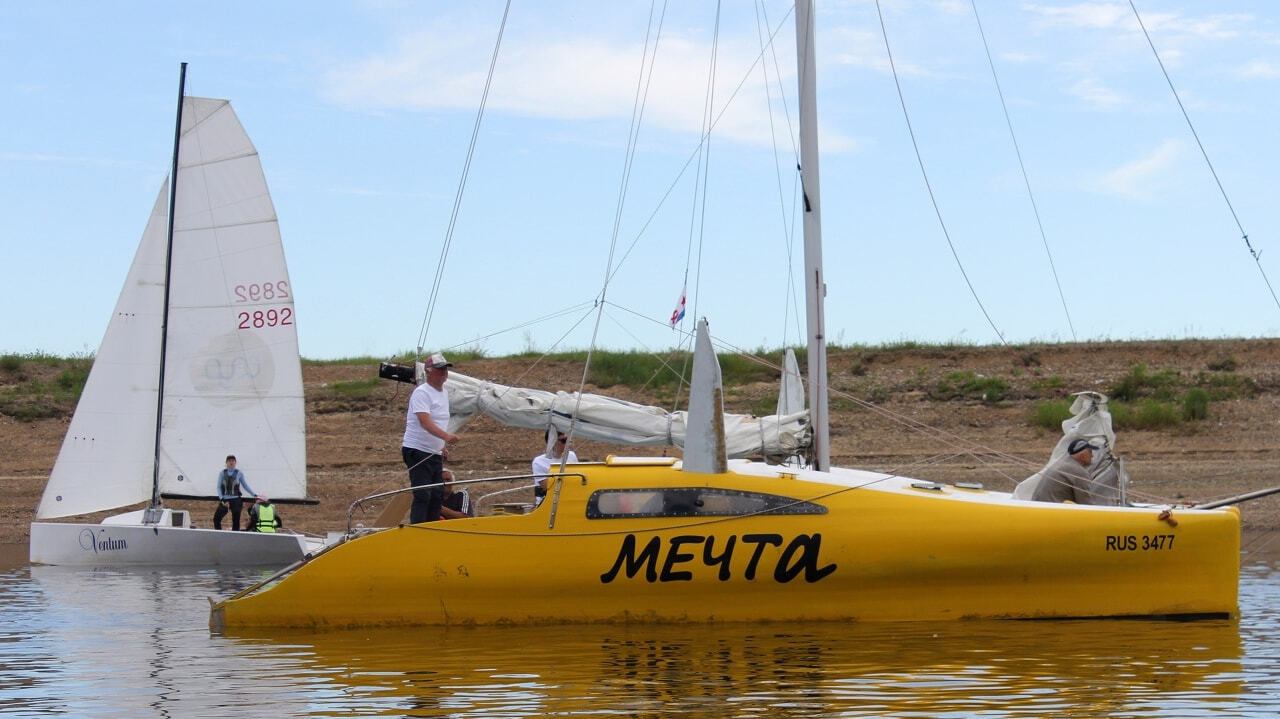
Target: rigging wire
x=1025 y=178
x=788 y=223
x=698 y=154
x=694 y=154
x=1257 y=256
x=462 y=184
x=698 y=210
x=663 y=364
x=571 y=309
x=532 y=365
x=636 y=114
x=928 y=186
x=996 y=461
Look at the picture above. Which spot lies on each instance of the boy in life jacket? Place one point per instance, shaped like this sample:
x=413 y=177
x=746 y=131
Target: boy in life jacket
x=263 y=516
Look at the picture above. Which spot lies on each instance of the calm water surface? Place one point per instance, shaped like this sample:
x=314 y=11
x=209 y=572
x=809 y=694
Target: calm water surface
x=89 y=643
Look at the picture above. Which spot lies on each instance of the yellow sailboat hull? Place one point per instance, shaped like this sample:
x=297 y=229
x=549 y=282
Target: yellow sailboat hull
x=845 y=545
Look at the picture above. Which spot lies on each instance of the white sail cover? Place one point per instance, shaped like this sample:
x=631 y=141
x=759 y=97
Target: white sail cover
x=1090 y=420
x=233 y=380
x=616 y=421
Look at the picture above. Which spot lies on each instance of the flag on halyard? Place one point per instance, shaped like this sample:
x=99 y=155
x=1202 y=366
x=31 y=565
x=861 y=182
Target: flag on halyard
x=678 y=313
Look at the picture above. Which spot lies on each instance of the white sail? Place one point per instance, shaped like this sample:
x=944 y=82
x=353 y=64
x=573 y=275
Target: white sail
x=791 y=395
x=616 y=421
x=233 y=380
x=704 y=450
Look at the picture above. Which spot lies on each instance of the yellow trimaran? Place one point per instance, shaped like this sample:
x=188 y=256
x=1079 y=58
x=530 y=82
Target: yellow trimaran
x=845 y=545
x=705 y=539
x=657 y=540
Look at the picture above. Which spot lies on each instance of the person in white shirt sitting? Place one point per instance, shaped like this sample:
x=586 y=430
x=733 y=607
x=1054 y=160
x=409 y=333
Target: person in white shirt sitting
x=543 y=464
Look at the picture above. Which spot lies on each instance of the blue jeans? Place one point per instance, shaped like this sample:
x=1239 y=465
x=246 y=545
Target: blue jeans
x=426 y=476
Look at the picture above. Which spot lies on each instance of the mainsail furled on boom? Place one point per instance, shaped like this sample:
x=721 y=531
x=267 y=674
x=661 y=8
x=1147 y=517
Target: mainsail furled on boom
x=606 y=419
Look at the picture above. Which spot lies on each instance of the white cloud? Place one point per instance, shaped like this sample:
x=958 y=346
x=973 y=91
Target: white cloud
x=1260 y=70
x=1091 y=15
x=866 y=50
x=1211 y=27
x=580 y=78
x=953 y=7
x=1142 y=178
x=1119 y=16
x=1016 y=58
x=1092 y=91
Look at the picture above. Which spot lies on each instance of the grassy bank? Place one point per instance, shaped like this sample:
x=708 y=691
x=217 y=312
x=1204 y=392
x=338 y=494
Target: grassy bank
x=1153 y=385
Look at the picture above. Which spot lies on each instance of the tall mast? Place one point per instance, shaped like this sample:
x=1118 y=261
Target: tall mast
x=815 y=286
x=168 y=270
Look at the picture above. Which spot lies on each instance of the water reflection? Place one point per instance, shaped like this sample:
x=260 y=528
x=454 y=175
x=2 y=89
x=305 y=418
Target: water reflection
x=111 y=642
x=1032 y=668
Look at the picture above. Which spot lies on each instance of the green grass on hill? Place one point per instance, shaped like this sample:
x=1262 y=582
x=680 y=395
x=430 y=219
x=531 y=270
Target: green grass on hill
x=39 y=385
x=36 y=386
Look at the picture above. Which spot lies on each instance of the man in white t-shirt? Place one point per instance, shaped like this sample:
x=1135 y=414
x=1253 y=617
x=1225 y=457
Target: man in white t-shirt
x=542 y=464
x=426 y=438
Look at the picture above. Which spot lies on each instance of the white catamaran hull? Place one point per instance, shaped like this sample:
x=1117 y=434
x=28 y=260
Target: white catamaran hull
x=125 y=541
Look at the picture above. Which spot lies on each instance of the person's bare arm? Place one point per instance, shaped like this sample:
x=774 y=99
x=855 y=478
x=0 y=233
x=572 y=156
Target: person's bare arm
x=424 y=419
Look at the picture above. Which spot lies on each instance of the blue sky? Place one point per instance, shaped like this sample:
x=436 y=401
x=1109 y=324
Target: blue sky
x=362 y=113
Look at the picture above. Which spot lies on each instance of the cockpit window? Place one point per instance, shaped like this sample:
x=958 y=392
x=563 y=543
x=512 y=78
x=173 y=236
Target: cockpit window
x=692 y=502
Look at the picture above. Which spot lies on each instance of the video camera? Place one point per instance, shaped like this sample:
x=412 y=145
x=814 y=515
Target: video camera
x=396 y=371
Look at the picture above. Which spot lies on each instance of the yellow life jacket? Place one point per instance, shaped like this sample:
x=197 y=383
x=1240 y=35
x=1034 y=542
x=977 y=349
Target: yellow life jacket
x=266 y=518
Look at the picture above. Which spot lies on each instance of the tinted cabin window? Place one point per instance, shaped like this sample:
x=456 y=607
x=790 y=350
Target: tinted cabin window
x=692 y=502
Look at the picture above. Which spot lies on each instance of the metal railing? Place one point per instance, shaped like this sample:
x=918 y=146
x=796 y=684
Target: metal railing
x=351 y=509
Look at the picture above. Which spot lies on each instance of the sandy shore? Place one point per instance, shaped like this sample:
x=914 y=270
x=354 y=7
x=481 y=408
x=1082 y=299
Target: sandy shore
x=353 y=442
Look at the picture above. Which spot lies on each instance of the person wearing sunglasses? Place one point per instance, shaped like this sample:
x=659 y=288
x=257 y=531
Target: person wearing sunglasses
x=549 y=462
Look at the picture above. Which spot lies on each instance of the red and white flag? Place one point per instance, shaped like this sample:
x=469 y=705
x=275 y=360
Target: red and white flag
x=678 y=313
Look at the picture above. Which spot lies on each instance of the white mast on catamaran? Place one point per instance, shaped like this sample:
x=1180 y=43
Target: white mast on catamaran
x=815 y=285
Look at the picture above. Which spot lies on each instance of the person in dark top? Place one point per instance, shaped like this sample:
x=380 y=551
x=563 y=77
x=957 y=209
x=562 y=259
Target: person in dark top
x=230 y=480
x=457 y=503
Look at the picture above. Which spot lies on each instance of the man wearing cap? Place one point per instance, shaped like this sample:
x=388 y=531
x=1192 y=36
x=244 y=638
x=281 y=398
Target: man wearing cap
x=1068 y=479
x=425 y=440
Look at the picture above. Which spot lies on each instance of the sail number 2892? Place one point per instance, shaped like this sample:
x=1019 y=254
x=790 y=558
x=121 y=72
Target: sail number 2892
x=1134 y=543
x=262 y=291
x=258 y=319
